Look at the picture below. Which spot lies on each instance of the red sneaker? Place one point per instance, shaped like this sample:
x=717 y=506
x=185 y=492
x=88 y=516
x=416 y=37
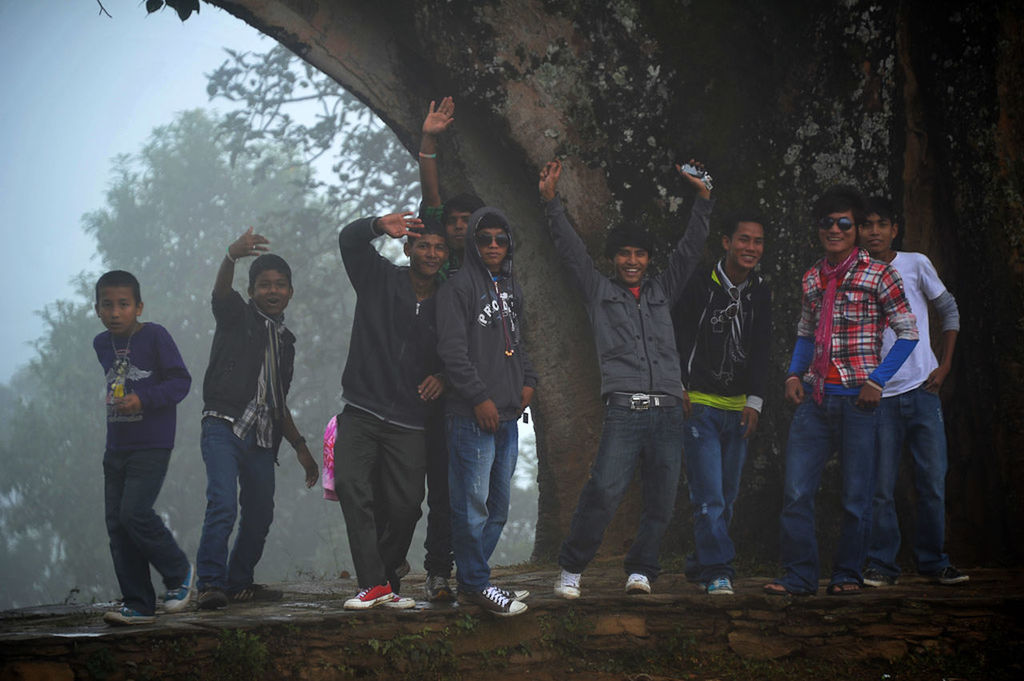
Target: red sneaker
x=370 y=597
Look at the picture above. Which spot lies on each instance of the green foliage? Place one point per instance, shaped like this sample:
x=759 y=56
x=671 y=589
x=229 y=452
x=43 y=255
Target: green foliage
x=240 y=656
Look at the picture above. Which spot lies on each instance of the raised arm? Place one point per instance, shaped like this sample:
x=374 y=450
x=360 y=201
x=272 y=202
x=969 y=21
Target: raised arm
x=684 y=257
x=244 y=246
x=567 y=242
x=362 y=261
x=437 y=121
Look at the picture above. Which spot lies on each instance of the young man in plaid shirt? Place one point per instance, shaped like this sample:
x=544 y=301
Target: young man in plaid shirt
x=836 y=377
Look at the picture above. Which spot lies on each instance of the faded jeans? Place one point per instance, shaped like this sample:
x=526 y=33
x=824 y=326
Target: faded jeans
x=914 y=417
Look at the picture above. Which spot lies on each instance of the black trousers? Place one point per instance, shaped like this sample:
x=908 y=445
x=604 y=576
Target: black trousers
x=378 y=475
x=439 y=559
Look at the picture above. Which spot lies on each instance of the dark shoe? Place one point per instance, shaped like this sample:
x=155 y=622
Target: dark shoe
x=515 y=594
x=438 y=589
x=256 y=592
x=403 y=569
x=948 y=576
x=212 y=599
x=873 y=577
x=494 y=601
x=843 y=589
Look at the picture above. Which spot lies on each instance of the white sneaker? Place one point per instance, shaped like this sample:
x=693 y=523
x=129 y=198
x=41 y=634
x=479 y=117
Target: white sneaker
x=638 y=584
x=400 y=603
x=568 y=585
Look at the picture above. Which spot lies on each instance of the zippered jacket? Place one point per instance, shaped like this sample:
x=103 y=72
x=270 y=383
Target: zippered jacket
x=393 y=346
x=723 y=344
x=635 y=343
x=236 y=357
x=479 y=323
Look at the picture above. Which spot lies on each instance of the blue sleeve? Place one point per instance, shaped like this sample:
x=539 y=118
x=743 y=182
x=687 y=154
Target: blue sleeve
x=893 y=360
x=803 y=353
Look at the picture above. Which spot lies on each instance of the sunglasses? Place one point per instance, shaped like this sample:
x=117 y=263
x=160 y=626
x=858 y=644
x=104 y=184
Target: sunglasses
x=844 y=223
x=487 y=239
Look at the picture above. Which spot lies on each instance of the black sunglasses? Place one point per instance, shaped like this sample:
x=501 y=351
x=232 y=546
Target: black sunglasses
x=486 y=239
x=844 y=223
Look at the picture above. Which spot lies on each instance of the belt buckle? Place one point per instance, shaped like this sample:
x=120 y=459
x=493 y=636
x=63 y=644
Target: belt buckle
x=639 y=401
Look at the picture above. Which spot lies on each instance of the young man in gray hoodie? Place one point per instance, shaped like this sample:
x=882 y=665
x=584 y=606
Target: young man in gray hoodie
x=491 y=382
x=640 y=382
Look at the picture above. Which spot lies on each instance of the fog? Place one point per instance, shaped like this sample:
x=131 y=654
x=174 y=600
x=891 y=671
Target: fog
x=115 y=157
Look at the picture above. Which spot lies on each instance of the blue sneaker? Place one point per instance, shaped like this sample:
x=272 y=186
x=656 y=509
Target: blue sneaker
x=177 y=599
x=127 y=617
x=720 y=586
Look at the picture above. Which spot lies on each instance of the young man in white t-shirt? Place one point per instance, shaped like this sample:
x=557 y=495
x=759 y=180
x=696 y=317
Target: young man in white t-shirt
x=910 y=411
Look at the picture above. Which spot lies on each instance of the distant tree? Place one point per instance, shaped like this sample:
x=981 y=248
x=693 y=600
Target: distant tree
x=170 y=212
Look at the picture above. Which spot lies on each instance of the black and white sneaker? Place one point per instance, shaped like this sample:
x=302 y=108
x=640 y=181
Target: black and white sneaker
x=493 y=600
x=873 y=577
x=948 y=576
x=515 y=594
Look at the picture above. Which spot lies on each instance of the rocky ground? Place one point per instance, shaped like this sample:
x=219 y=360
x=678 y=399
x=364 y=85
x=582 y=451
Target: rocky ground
x=914 y=631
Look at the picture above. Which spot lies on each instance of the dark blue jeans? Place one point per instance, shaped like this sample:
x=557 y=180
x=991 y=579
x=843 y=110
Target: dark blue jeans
x=652 y=438
x=915 y=417
x=715 y=450
x=239 y=475
x=837 y=424
x=138 y=537
x=480 y=468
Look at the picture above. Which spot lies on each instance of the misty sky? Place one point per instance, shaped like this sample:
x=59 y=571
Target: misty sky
x=80 y=88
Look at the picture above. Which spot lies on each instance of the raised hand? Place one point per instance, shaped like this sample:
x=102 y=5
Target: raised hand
x=695 y=182
x=397 y=225
x=248 y=244
x=438 y=119
x=549 y=175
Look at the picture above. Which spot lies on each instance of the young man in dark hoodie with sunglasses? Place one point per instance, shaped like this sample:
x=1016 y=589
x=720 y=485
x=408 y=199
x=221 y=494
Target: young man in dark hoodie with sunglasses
x=640 y=382
x=491 y=382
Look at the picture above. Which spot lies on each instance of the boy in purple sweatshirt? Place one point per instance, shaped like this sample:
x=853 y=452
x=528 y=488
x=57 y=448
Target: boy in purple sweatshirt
x=145 y=379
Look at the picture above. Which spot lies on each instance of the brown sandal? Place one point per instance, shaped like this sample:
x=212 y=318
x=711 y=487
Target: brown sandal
x=843 y=589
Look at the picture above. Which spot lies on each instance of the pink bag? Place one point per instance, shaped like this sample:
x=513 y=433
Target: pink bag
x=327 y=477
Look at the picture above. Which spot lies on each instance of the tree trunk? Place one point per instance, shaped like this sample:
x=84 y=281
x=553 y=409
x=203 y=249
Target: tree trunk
x=919 y=102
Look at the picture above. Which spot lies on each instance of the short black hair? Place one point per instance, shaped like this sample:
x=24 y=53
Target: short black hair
x=118 y=278
x=728 y=224
x=464 y=203
x=269 y=261
x=882 y=207
x=430 y=226
x=628 y=235
x=839 y=199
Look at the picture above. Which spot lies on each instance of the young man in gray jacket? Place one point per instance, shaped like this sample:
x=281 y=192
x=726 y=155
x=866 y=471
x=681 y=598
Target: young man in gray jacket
x=640 y=382
x=491 y=382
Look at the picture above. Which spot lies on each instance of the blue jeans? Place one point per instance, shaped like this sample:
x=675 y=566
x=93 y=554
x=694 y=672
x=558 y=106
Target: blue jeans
x=480 y=468
x=817 y=431
x=239 y=474
x=715 y=450
x=914 y=417
x=654 y=439
x=138 y=537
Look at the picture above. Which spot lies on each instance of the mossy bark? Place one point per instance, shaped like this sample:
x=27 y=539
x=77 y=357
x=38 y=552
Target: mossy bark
x=916 y=100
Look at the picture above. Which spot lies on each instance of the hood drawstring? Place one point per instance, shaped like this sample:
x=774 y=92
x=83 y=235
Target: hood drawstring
x=509 y=350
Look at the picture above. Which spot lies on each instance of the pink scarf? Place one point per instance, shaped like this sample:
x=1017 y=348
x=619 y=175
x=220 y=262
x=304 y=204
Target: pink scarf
x=832 y=274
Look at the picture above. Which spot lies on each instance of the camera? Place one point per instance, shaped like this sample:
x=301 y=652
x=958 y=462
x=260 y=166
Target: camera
x=703 y=175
